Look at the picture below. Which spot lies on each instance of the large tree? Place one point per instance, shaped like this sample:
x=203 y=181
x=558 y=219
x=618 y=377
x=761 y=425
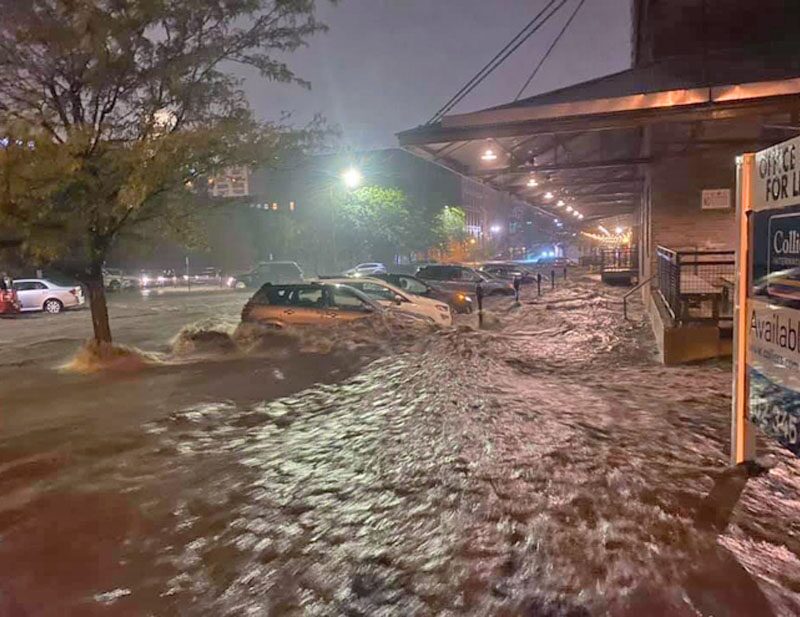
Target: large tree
x=373 y=222
x=113 y=113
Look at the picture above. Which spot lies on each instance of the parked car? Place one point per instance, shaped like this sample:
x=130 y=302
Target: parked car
x=465 y=280
x=207 y=276
x=366 y=269
x=307 y=304
x=509 y=271
x=459 y=302
x=275 y=272
x=46 y=295
x=115 y=279
x=9 y=302
x=390 y=296
x=152 y=278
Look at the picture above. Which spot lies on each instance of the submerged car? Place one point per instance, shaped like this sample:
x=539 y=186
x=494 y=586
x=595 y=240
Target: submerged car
x=509 y=272
x=115 y=279
x=458 y=301
x=393 y=297
x=274 y=272
x=465 y=280
x=307 y=304
x=46 y=295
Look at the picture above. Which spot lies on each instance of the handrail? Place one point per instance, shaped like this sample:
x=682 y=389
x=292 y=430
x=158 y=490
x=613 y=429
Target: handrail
x=637 y=288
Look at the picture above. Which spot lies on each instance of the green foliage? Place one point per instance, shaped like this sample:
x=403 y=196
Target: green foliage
x=373 y=220
x=127 y=108
x=450 y=227
x=377 y=222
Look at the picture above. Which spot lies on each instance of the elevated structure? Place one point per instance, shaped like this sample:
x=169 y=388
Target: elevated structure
x=656 y=142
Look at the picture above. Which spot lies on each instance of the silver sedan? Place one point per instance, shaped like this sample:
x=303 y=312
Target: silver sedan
x=45 y=295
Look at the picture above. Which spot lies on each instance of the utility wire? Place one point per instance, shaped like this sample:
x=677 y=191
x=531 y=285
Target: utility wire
x=455 y=98
x=523 y=35
x=550 y=49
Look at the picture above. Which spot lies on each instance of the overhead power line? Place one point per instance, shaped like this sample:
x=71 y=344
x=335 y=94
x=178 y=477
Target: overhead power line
x=523 y=35
x=550 y=49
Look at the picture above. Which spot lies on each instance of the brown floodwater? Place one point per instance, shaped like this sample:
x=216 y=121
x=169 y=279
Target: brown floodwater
x=544 y=466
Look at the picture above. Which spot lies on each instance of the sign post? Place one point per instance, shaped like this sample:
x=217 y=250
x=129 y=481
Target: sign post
x=766 y=389
x=742 y=434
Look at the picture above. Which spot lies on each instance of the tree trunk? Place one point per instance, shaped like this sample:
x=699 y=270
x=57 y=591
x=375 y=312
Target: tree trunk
x=97 y=300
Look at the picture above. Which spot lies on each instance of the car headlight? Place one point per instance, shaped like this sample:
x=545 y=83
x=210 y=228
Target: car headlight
x=145 y=280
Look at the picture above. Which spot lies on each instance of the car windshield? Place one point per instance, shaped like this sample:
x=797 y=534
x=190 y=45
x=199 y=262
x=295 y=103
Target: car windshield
x=411 y=285
x=375 y=290
x=348 y=298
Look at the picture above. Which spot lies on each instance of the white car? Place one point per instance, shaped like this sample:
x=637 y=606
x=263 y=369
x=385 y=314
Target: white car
x=45 y=295
x=366 y=269
x=394 y=298
x=115 y=279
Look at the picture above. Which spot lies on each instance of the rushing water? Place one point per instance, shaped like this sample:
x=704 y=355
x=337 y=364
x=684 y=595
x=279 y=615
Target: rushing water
x=544 y=466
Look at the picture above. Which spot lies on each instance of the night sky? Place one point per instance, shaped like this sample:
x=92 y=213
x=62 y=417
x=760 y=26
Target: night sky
x=388 y=65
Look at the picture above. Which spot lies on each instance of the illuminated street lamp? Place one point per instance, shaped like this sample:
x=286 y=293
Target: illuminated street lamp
x=548 y=196
x=495 y=229
x=569 y=208
x=533 y=183
x=619 y=231
x=352 y=178
x=489 y=155
x=560 y=203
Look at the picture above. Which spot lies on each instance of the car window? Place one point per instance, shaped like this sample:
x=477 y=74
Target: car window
x=310 y=297
x=346 y=300
x=29 y=286
x=440 y=273
x=469 y=275
x=411 y=285
x=287 y=270
x=269 y=294
x=376 y=291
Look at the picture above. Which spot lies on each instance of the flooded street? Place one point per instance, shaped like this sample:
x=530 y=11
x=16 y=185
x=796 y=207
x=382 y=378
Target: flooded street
x=545 y=466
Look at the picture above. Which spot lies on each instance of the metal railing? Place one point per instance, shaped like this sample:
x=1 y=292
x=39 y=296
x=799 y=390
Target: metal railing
x=623 y=259
x=696 y=286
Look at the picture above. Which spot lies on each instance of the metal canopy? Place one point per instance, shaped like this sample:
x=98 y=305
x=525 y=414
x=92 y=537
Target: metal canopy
x=588 y=148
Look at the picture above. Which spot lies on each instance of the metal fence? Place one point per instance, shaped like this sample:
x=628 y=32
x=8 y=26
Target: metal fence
x=590 y=261
x=696 y=285
x=623 y=259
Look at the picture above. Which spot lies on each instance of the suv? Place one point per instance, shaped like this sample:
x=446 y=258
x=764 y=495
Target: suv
x=459 y=302
x=465 y=280
x=366 y=269
x=307 y=304
x=509 y=271
x=114 y=279
x=389 y=296
x=275 y=272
